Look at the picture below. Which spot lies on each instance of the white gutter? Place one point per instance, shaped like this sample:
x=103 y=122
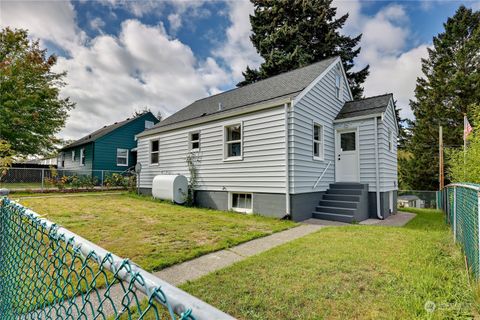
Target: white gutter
x=369 y=116
x=377 y=175
x=287 y=164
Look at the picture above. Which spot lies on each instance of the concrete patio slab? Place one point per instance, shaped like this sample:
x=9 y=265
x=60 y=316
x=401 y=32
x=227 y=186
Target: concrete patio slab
x=396 y=220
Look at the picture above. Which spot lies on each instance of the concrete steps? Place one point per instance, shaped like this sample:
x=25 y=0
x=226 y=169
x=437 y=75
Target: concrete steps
x=345 y=202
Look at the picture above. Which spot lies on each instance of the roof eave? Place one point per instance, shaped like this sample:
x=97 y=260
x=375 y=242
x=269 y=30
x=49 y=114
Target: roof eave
x=367 y=116
x=217 y=116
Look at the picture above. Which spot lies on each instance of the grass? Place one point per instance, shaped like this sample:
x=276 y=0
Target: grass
x=154 y=234
x=353 y=272
x=21 y=185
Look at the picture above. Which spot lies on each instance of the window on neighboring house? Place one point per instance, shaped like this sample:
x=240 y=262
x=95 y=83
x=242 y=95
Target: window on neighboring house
x=194 y=141
x=233 y=142
x=82 y=156
x=148 y=124
x=122 y=157
x=154 y=151
x=338 y=86
x=62 y=160
x=318 y=141
x=73 y=155
x=241 y=202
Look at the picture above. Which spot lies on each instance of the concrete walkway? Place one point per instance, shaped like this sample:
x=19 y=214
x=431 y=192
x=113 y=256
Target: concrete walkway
x=396 y=220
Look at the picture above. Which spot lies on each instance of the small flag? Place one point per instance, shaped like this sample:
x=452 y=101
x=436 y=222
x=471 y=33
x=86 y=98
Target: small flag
x=467 y=128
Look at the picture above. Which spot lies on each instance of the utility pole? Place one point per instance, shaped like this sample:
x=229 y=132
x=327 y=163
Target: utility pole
x=440 y=147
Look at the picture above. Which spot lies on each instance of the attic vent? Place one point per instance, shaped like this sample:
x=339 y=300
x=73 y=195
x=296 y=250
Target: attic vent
x=220 y=107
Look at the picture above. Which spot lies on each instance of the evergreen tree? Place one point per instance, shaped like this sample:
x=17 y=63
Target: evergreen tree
x=290 y=34
x=31 y=110
x=451 y=84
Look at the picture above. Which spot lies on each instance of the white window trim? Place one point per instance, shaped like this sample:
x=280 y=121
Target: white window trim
x=148 y=121
x=340 y=86
x=241 y=210
x=150 y=153
x=225 y=142
x=119 y=164
x=73 y=155
x=322 y=158
x=390 y=140
x=82 y=155
x=190 y=141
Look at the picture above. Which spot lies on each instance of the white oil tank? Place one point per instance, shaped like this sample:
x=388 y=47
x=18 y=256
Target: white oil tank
x=170 y=187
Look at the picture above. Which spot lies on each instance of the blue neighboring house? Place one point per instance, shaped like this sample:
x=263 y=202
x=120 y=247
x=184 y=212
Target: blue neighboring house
x=111 y=148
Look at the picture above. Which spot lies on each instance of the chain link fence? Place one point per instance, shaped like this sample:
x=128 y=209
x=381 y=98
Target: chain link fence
x=42 y=179
x=417 y=199
x=461 y=203
x=48 y=272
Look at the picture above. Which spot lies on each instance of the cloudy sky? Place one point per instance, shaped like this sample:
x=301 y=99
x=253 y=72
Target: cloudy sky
x=123 y=55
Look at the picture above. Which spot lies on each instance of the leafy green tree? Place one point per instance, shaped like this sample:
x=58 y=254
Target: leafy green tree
x=31 y=110
x=450 y=87
x=289 y=34
x=465 y=166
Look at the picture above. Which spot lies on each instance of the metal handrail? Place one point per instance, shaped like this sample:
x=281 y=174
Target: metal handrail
x=321 y=176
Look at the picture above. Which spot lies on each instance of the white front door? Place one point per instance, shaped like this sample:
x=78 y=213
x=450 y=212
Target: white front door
x=346 y=156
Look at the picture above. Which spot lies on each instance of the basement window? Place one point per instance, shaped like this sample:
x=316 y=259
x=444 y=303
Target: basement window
x=241 y=202
x=194 y=141
x=154 y=151
x=233 y=142
x=122 y=157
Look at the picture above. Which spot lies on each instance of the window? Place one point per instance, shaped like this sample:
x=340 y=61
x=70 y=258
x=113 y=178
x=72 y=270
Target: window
x=241 y=202
x=317 y=141
x=338 y=86
x=148 y=124
x=347 y=141
x=390 y=140
x=73 y=155
x=62 y=160
x=154 y=150
x=122 y=157
x=194 y=141
x=233 y=142
x=82 y=156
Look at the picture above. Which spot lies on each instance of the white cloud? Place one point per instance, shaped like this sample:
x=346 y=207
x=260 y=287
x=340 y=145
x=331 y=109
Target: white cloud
x=97 y=24
x=52 y=21
x=393 y=68
x=238 y=51
x=142 y=67
x=175 y=21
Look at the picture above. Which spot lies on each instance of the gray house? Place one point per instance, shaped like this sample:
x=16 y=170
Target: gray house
x=291 y=145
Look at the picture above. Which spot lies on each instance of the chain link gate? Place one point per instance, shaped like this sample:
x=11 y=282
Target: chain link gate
x=48 y=272
x=461 y=203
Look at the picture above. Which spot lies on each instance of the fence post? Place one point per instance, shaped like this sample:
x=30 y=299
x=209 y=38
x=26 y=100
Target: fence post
x=478 y=223
x=454 y=214
x=43 y=179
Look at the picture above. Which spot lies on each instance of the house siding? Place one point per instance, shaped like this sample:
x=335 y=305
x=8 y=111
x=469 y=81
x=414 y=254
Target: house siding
x=261 y=170
x=75 y=165
x=122 y=138
x=387 y=158
x=319 y=105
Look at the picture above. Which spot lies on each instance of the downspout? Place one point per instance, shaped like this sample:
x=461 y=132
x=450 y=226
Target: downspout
x=287 y=164
x=377 y=175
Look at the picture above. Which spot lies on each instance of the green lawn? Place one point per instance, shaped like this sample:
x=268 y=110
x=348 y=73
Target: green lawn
x=21 y=185
x=152 y=233
x=352 y=272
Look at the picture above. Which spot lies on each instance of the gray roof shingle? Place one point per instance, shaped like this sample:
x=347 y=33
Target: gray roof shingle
x=284 y=85
x=362 y=107
x=99 y=133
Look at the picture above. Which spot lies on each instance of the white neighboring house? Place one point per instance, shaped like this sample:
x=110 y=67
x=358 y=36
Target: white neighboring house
x=410 y=201
x=293 y=144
